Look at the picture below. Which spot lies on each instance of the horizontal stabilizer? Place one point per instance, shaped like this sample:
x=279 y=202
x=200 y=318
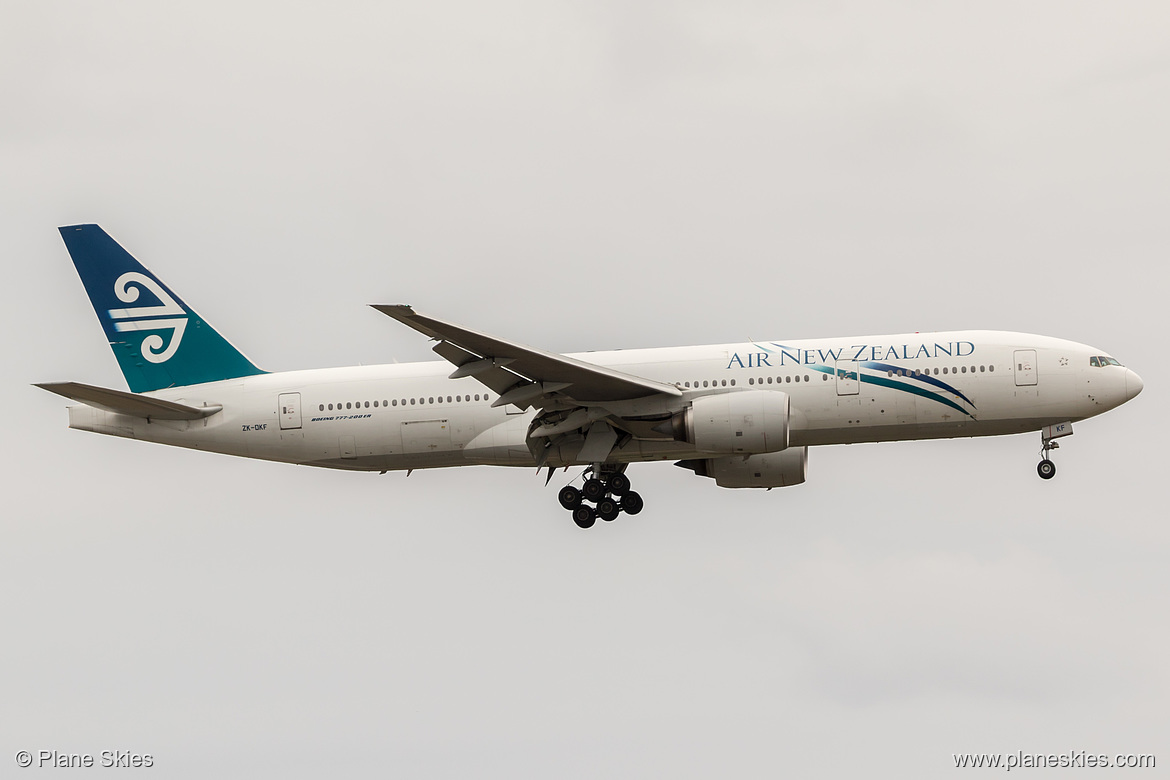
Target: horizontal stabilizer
x=135 y=405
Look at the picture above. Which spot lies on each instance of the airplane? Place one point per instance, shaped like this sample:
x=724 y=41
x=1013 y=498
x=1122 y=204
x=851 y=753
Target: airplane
x=742 y=414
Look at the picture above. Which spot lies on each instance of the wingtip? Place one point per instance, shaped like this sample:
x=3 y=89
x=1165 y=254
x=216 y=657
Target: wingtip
x=393 y=309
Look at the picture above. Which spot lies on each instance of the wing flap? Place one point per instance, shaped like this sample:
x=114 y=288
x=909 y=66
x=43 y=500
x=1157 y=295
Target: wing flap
x=132 y=404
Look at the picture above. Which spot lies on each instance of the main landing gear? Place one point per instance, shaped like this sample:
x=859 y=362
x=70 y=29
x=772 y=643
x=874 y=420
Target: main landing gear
x=608 y=489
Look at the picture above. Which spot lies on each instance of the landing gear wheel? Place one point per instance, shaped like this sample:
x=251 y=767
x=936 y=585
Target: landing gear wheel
x=632 y=503
x=619 y=484
x=593 y=489
x=607 y=509
x=584 y=516
x=1046 y=469
x=570 y=497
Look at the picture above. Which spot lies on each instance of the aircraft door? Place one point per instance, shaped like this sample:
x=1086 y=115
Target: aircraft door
x=426 y=436
x=848 y=377
x=1025 y=367
x=289 y=407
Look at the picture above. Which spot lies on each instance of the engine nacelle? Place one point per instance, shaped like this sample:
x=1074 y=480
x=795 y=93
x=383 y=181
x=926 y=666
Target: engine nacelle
x=769 y=470
x=747 y=422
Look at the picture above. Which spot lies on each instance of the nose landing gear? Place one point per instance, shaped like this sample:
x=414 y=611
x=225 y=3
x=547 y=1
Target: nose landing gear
x=607 y=487
x=1048 y=442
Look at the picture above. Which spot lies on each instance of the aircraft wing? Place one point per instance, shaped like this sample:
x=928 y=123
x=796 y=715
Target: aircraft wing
x=524 y=375
x=133 y=404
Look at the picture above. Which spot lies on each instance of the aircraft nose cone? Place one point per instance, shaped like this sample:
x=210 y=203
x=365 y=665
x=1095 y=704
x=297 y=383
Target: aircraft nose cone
x=1133 y=384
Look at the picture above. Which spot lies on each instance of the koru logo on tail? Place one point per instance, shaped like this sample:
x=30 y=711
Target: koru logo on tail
x=162 y=317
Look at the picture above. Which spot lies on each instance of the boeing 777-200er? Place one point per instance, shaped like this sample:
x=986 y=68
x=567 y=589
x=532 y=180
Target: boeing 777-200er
x=742 y=414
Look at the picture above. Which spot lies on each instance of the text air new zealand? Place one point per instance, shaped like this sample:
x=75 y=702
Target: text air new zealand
x=742 y=414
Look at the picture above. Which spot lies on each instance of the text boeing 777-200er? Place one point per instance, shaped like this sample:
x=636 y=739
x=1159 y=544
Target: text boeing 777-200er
x=742 y=414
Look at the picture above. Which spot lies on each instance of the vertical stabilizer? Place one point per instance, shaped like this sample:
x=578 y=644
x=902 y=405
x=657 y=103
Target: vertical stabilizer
x=158 y=339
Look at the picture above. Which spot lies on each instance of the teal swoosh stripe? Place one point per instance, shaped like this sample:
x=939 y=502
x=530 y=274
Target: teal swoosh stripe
x=886 y=382
x=895 y=385
x=920 y=378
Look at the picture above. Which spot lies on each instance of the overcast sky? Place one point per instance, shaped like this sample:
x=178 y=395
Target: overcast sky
x=586 y=176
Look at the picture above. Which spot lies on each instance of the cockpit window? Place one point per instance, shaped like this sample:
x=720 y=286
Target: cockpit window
x=1094 y=362
x=1102 y=361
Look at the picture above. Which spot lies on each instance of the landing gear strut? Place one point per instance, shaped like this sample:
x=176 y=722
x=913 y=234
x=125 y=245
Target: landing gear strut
x=1046 y=468
x=607 y=486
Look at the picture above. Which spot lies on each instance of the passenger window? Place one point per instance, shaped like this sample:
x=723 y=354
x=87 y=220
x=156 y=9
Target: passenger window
x=412 y=402
x=704 y=383
x=964 y=369
x=367 y=404
x=725 y=382
x=331 y=407
x=751 y=380
x=321 y=407
x=944 y=369
x=991 y=368
x=348 y=405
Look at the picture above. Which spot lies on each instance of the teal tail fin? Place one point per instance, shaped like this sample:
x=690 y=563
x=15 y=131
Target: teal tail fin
x=159 y=340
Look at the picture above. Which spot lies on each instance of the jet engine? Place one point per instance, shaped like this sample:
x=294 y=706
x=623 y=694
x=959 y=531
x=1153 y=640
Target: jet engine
x=747 y=421
x=768 y=470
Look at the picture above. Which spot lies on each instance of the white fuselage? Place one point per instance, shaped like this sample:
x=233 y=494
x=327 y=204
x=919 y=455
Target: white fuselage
x=842 y=390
